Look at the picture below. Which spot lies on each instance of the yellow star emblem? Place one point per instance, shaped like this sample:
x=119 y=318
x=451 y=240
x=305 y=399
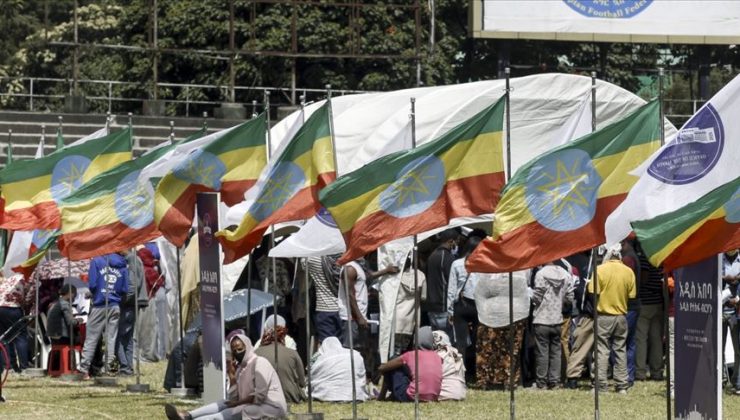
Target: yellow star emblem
x=566 y=189
x=278 y=191
x=411 y=184
x=71 y=178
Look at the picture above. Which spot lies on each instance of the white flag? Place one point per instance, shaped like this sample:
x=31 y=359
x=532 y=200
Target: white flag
x=702 y=156
x=92 y=136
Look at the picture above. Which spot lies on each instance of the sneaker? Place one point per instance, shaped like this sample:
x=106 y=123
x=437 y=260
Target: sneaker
x=622 y=391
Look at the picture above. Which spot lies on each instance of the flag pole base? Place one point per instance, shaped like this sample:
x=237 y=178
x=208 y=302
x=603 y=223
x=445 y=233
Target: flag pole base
x=70 y=377
x=106 y=381
x=35 y=372
x=309 y=416
x=138 y=388
x=182 y=392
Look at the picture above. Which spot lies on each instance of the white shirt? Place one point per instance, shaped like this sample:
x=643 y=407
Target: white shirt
x=360 y=291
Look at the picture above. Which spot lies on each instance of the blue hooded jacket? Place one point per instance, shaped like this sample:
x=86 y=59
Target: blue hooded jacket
x=108 y=274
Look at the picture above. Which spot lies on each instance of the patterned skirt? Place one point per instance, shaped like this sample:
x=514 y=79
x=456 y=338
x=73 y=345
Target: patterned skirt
x=493 y=359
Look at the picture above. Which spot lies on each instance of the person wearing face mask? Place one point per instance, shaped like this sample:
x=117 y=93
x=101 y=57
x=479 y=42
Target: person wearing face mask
x=437 y=275
x=255 y=390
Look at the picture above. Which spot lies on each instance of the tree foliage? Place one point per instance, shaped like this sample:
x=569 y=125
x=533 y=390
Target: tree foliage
x=199 y=31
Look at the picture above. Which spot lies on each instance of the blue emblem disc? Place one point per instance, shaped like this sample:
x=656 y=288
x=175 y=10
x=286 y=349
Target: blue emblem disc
x=416 y=188
x=201 y=168
x=134 y=204
x=284 y=181
x=67 y=176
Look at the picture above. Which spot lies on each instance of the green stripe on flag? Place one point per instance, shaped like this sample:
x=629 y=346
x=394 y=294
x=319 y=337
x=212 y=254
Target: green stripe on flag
x=248 y=134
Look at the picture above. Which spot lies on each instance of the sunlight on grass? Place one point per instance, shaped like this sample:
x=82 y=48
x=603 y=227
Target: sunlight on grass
x=55 y=399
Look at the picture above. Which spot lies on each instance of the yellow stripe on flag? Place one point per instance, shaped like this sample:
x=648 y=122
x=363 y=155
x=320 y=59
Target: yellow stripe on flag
x=507 y=222
x=169 y=190
x=234 y=160
x=18 y=195
x=473 y=157
x=97 y=212
x=614 y=169
x=104 y=162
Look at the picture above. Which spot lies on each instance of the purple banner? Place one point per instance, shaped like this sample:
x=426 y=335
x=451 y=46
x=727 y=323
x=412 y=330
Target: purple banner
x=211 y=297
x=697 y=341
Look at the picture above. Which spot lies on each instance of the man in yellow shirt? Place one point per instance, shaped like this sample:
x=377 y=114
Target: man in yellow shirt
x=616 y=287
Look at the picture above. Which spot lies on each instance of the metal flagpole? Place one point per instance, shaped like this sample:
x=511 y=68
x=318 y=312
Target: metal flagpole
x=308 y=339
x=594 y=256
x=272 y=244
x=416 y=283
x=512 y=362
x=351 y=343
x=60 y=144
x=37 y=332
x=666 y=298
x=138 y=386
x=182 y=390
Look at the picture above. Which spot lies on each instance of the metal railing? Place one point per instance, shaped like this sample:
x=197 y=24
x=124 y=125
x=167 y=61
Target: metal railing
x=42 y=93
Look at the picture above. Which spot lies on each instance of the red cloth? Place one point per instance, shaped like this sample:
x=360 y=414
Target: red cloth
x=154 y=280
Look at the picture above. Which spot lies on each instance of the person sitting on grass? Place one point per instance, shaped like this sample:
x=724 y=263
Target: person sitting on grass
x=331 y=373
x=400 y=375
x=288 y=365
x=255 y=390
x=453 y=369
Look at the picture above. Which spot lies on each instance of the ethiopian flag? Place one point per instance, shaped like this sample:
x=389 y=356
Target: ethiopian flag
x=696 y=231
x=45 y=240
x=32 y=189
x=556 y=204
x=457 y=175
x=231 y=163
x=288 y=189
x=113 y=212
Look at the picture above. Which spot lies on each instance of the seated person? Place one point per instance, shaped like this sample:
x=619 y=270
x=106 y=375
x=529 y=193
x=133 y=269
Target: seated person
x=60 y=319
x=255 y=390
x=453 y=368
x=269 y=322
x=400 y=375
x=289 y=365
x=331 y=373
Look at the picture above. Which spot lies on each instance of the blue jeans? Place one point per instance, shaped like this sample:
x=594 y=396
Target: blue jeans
x=631 y=344
x=19 y=346
x=125 y=340
x=327 y=325
x=398 y=382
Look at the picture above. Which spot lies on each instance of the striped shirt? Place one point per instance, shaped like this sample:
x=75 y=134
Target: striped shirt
x=325 y=299
x=651 y=282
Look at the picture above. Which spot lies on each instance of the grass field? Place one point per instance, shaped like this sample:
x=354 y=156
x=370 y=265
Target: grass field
x=55 y=399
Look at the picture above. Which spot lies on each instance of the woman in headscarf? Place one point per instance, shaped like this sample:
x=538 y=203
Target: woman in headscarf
x=493 y=355
x=331 y=373
x=453 y=369
x=400 y=375
x=255 y=390
x=270 y=321
x=288 y=364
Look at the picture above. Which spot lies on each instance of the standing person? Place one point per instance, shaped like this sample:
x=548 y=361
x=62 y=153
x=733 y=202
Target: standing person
x=326 y=286
x=461 y=308
x=16 y=298
x=157 y=288
x=730 y=281
x=357 y=281
x=60 y=319
x=438 y=272
x=108 y=278
x=551 y=293
x=127 y=317
x=254 y=389
x=649 y=333
x=631 y=260
x=583 y=333
x=405 y=302
x=493 y=356
x=616 y=287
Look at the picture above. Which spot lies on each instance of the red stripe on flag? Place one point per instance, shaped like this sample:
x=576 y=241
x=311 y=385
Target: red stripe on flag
x=102 y=240
x=41 y=216
x=232 y=192
x=715 y=236
x=533 y=244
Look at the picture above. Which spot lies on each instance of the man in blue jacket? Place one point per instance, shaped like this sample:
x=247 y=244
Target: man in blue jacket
x=108 y=282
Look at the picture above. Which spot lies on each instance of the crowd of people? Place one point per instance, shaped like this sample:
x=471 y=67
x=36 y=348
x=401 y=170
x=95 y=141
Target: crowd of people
x=465 y=326
x=94 y=309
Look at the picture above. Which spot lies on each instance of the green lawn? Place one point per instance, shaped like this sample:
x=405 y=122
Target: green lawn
x=55 y=399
